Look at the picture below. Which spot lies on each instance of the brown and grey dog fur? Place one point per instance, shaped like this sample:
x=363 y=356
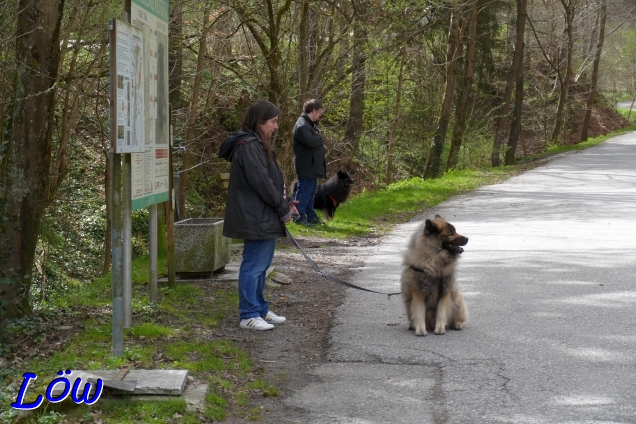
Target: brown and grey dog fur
x=432 y=298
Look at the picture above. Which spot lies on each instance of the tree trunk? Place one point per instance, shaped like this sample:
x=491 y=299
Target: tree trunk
x=108 y=240
x=175 y=55
x=433 y=162
x=570 y=11
x=515 y=67
x=597 y=59
x=303 y=52
x=396 y=119
x=105 y=144
x=355 y=123
x=278 y=95
x=515 y=128
x=307 y=53
x=462 y=104
x=277 y=91
x=192 y=115
x=24 y=172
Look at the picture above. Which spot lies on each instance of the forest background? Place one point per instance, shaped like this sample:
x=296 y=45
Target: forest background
x=410 y=89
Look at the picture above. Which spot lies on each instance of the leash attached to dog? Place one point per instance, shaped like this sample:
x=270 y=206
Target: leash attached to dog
x=329 y=277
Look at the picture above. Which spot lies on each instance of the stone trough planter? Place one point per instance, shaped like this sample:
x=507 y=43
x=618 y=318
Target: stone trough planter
x=200 y=247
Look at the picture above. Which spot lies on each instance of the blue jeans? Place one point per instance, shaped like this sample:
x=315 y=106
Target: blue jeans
x=305 y=195
x=257 y=258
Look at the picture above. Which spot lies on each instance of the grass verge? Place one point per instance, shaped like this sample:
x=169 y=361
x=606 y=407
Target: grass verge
x=630 y=115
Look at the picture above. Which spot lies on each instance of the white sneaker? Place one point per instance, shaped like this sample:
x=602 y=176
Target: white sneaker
x=272 y=318
x=257 y=323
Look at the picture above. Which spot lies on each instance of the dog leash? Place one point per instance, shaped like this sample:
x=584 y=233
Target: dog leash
x=329 y=277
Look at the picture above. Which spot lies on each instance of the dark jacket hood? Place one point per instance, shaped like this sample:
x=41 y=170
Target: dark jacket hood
x=229 y=145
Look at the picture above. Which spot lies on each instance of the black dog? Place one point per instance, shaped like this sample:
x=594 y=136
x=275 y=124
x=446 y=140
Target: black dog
x=332 y=192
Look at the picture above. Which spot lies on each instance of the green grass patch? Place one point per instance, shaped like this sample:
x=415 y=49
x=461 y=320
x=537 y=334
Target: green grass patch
x=629 y=115
x=217 y=406
x=218 y=355
x=267 y=389
x=132 y=411
x=150 y=331
x=378 y=211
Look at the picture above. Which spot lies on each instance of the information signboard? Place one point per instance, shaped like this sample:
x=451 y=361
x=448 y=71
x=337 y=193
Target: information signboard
x=150 y=170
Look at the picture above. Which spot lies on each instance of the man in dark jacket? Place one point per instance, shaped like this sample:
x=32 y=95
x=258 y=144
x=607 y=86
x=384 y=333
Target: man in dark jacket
x=309 y=160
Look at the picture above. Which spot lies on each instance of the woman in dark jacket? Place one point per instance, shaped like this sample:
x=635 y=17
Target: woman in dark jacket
x=256 y=209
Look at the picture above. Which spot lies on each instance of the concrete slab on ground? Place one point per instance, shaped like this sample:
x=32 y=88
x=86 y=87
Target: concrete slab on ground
x=155 y=382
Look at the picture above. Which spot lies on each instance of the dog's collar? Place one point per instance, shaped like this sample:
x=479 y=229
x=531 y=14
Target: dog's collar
x=335 y=202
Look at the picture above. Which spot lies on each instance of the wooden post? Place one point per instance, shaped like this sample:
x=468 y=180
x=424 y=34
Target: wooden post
x=154 y=289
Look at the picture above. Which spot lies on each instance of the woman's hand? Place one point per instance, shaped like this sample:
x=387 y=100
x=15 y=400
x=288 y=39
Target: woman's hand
x=295 y=214
x=292 y=206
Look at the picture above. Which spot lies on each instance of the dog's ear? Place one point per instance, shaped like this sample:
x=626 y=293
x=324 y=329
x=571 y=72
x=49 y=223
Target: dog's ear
x=431 y=227
x=438 y=217
x=342 y=175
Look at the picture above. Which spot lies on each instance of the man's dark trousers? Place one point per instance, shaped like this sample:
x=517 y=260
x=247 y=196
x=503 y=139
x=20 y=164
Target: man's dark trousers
x=306 y=190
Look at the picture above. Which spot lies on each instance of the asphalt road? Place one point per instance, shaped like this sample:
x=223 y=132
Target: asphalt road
x=626 y=104
x=548 y=276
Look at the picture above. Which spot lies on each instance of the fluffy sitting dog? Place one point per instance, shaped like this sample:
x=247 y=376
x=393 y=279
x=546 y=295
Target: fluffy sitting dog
x=431 y=296
x=331 y=193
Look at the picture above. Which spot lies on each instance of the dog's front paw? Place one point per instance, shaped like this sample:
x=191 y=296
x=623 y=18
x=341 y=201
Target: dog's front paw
x=440 y=330
x=420 y=331
x=458 y=326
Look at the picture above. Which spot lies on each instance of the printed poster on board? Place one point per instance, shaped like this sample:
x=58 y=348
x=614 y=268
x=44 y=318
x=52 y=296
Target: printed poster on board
x=130 y=93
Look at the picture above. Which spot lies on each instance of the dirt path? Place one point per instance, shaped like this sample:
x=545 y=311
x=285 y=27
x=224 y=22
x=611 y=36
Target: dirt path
x=287 y=353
